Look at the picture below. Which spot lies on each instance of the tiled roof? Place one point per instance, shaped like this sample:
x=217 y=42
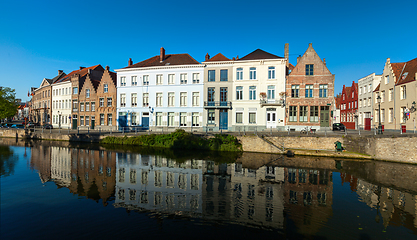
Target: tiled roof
x=81 y=72
x=409 y=72
x=338 y=101
x=259 y=54
x=397 y=69
x=170 y=59
x=218 y=58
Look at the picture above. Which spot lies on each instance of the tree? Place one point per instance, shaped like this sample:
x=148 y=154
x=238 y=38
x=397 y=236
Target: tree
x=8 y=105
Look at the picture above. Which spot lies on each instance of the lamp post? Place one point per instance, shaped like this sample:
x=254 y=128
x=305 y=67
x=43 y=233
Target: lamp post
x=379 y=115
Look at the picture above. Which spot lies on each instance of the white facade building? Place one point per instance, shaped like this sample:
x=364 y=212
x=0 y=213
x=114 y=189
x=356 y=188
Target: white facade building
x=61 y=103
x=258 y=80
x=162 y=92
x=366 y=87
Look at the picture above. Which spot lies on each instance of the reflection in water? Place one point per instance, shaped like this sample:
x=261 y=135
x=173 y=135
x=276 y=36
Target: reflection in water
x=262 y=191
x=7 y=161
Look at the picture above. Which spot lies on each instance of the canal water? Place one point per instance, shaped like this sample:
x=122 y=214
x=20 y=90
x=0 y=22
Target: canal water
x=53 y=190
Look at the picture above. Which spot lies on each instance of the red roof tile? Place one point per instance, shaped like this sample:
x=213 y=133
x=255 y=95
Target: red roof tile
x=408 y=74
x=170 y=59
x=218 y=58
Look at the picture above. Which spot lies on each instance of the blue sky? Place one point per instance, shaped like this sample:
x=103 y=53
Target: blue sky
x=37 y=38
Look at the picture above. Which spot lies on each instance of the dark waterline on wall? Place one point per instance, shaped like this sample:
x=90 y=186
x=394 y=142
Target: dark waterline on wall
x=53 y=190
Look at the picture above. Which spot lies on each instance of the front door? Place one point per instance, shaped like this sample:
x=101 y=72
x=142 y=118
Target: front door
x=324 y=116
x=74 y=123
x=145 y=123
x=368 y=124
x=223 y=119
x=122 y=121
x=271 y=118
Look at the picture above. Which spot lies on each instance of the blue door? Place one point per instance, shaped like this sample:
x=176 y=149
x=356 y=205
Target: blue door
x=223 y=119
x=123 y=121
x=145 y=123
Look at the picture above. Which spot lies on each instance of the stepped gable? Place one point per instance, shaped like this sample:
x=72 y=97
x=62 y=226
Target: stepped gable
x=407 y=73
x=168 y=60
x=259 y=54
x=218 y=58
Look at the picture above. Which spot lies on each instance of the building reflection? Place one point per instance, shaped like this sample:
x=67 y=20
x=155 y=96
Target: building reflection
x=308 y=195
x=156 y=183
x=393 y=207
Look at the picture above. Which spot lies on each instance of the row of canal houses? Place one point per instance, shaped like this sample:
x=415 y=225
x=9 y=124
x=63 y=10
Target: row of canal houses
x=390 y=96
x=169 y=91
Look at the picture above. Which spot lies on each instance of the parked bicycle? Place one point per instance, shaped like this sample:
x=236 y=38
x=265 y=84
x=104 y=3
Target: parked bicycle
x=307 y=130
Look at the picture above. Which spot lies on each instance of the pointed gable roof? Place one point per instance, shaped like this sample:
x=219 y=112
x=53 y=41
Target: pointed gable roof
x=406 y=72
x=259 y=54
x=218 y=58
x=169 y=60
x=81 y=72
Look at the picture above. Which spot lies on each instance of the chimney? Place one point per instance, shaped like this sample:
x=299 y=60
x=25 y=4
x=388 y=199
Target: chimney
x=298 y=58
x=130 y=63
x=233 y=58
x=324 y=61
x=60 y=71
x=81 y=68
x=207 y=57
x=237 y=57
x=89 y=71
x=107 y=68
x=162 y=55
x=310 y=45
x=287 y=53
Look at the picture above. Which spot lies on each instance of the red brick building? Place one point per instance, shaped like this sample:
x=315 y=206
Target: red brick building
x=349 y=106
x=310 y=92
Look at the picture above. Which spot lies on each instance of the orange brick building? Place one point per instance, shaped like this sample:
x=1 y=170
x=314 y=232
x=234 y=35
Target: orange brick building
x=310 y=92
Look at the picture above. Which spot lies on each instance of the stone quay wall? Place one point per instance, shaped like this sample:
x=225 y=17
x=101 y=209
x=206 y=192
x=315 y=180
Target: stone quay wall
x=390 y=148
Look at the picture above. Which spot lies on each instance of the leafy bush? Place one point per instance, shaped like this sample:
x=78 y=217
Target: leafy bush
x=180 y=140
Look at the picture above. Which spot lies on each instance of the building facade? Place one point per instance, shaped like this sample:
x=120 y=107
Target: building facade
x=61 y=103
x=397 y=91
x=41 y=109
x=258 y=81
x=310 y=92
x=218 y=85
x=366 y=86
x=164 y=92
x=105 y=104
x=349 y=106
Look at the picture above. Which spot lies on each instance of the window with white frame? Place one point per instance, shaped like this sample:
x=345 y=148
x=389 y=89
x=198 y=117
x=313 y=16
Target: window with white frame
x=183 y=99
x=271 y=92
x=369 y=87
x=134 y=99
x=295 y=91
x=93 y=106
x=196 y=99
x=323 y=91
x=391 y=95
x=252 y=117
x=159 y=99
x=122 y=81
x=122 y=100
x=196 y=77
x=183 y=119
x=145 y=99
x=158 y=119
x=360 y=90
x=82 y=107
x=271 y=72
x=293 y=114
x=211 y=75
x=159 y=79
x=109 y=102
x=171 y=116
x=252 y=93
x=314 y=113
x=360 y=102
x=87 y=93
x=239 y=93
x=239 y=117
x=391 y=115
x=145 y=80
x=403 y=92
x=309 y=91
x=382 y=115
x=303 y=113
x=87 y=106
x=387 y=79
x=211 y=116
x=369 y=101
x=196 y=119
x=101 y=102
x=101 y=119
x=239 y=73
x=171 y=99
x=171 y=78
x=252 y=73
x=134 y=80
x=382 y=96
x=183 y=78
x=109 y=119
x=105 y=88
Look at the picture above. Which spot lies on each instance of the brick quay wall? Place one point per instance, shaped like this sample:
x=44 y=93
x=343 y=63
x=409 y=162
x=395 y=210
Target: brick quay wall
x=402 y=148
